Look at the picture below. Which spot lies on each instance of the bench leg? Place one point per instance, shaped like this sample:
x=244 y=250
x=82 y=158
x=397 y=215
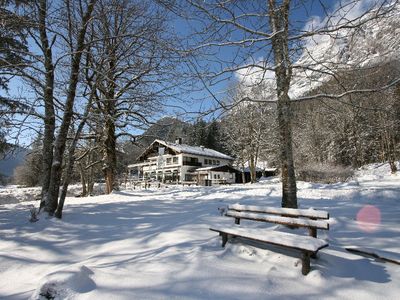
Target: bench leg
x=224 y=238
x=305 y=259
x=312 y=232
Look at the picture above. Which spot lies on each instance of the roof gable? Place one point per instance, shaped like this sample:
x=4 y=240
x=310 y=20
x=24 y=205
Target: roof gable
x=186 y=149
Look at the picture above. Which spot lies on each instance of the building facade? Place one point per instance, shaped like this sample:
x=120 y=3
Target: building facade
x=179 y=163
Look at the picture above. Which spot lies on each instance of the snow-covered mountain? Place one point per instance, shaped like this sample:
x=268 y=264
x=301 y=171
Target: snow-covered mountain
x=374 y=42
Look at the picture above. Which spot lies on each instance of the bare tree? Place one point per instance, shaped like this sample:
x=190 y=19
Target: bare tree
x=357 y=130
x=266 y=42
x=48 y=95
x=133 y=55
x=57 y=40
x=251 y=130
x=77 y=46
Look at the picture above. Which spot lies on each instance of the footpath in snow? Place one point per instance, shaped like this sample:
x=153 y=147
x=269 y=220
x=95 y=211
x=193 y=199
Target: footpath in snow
x=156 y=244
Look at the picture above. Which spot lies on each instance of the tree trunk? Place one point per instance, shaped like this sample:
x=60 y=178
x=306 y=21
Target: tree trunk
x=90 y=179
x=391 y=152
x=83 y=180
x=110 y=157
x=252 y=168
x=388 y=143
x=243 y=174
x=393 y=167
x=279 y=22
x=49 y=121
x=60 y=144
x=70 y=163
x=289 y=189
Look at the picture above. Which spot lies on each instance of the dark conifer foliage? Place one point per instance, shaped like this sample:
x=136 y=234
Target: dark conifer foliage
x=207 y=134
x=13 y=56
x=13 y=43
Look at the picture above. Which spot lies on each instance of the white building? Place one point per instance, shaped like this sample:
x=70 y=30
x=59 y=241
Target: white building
x=178 y=163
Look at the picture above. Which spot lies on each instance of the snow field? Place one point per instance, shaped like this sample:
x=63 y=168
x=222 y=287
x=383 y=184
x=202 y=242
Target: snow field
x=156 y=244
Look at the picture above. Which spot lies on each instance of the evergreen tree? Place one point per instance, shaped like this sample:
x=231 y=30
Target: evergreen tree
x=13 y=44
x=198 y=133
x=13 y=50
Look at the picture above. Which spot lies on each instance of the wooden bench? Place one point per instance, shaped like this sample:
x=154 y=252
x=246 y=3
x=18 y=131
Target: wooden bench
x=309 y=218
x=308 y=245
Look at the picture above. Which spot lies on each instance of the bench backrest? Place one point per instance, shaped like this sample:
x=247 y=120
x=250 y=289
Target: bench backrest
x=309 y=218
x=290 y=221
x=287 y=212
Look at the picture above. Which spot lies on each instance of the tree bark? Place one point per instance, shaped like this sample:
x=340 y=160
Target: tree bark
x=90 y=179
x=109 y=111
x=49 y=121
x=289 y=189
x=279 y=22
x=252 y=169
x=83 y=180
x=70 y=163
x=110 y=157
x=243 y=174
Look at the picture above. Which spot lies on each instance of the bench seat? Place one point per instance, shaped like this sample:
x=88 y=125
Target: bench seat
x=290 y=240
x=306 y=244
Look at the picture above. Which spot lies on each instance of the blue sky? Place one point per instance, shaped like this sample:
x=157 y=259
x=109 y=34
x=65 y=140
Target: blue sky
x=203 y=99
x=200 y=99
x=304 y=14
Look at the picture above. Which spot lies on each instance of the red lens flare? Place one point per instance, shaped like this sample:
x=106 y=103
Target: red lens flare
x=369 y=218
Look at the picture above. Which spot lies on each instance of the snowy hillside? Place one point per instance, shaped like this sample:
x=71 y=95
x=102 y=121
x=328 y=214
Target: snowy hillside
x=375 y=42
x=155 y=244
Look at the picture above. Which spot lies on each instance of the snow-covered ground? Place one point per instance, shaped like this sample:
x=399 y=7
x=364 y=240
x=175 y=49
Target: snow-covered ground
x=155 y=244
x=15 y=194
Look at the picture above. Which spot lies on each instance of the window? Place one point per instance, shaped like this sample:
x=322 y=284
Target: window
x=191 y=161
x=189 y=177
x=169 y=160
x=218 y=162
x=175 y=160
x=215 y=176
x=214 y=162
x=206 y=161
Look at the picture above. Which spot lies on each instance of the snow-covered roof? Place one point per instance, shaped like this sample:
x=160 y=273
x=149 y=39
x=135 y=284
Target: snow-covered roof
x=195 y=150
x=205 y=169
x=214 y=167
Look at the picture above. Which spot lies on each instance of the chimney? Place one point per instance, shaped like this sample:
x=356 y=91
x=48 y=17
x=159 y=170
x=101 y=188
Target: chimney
x=202 y=148
x=178 y=141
